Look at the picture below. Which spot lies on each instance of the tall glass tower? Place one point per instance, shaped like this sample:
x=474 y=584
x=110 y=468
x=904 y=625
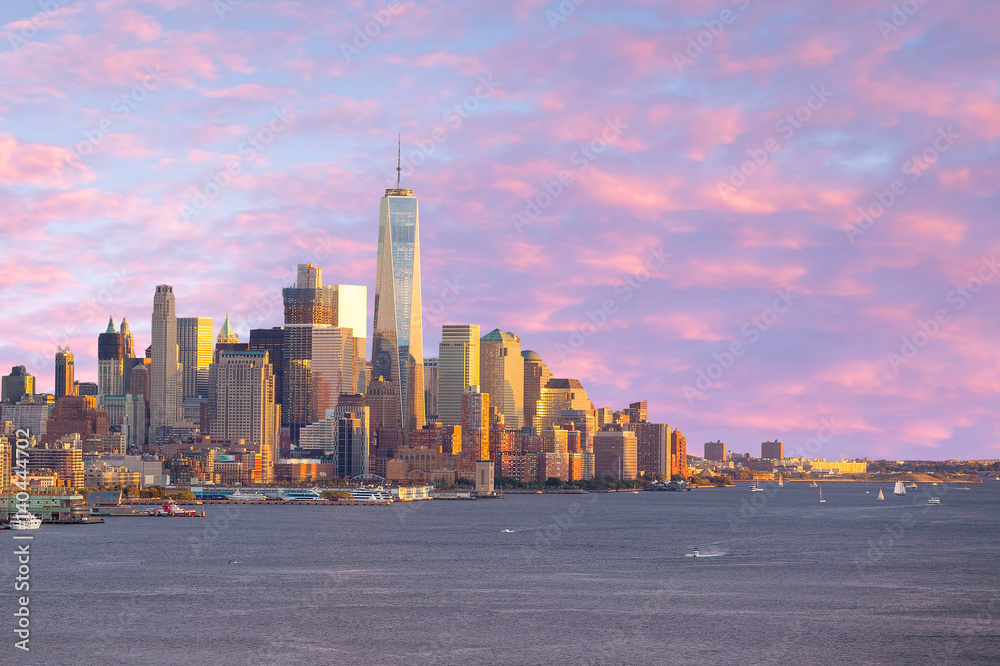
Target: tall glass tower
x=397 y=333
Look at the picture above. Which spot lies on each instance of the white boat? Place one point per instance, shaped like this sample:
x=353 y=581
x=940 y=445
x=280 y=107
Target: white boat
x=695 y=553
x=370 y=495
x=880 y=495
x=821 y=500
x=781 y=482
x=934 y=500
x=813 y=484
x=311 y=495
x=241 y=496
x=899 y=489
x=754 y=488
x=23 y=520
x=912 y=485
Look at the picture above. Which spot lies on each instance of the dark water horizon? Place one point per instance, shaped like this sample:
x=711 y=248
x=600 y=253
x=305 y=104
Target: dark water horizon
x=602 y=578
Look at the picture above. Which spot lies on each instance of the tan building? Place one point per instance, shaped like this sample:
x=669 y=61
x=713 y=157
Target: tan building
x=615 y=454
x=559 y=394
x=536 y=376
x=104 y=475
x=501 y=374
x=457 y=369
x=245 y=404
x=64 y=457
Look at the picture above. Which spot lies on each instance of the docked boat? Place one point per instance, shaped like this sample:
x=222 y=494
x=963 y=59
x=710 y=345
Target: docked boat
x=240 y=496
x=370 y=495
x=934 y=500
x=310 y=495
x=899 y=489
x=880 y=495
x=23 y=520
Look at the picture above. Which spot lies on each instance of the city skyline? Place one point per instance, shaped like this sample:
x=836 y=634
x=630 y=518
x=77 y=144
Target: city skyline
x=635 y=275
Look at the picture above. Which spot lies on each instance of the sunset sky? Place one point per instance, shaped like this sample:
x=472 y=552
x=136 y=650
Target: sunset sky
x=630 y=187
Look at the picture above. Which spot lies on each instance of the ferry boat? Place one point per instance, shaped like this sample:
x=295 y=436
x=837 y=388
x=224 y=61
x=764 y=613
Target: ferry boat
x=754 y=488
x=934 y=500
x=240 y=496
x=310 y=495
x=23 y=520
x=370 y=495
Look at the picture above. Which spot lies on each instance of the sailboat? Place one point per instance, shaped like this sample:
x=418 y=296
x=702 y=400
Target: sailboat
x=781 y=482
x=880 y=495
x=899 y=489
x=821 y=500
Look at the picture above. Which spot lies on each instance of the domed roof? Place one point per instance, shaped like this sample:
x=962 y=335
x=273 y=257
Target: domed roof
x=530 y=355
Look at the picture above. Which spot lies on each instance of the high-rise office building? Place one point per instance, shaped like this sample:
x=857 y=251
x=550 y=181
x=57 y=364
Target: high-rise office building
x=772 y=450
x=271 y=340
x=397 y=333
x=385 y=434
x=245 y=407
x=165 y=369
x=559 y=394
x=333 y=367
x=476 y=423
x=536 y=376
x=194 y=342
x=501 y=374
x=458 y=369
x=110 y=361
x=64 y=372
x=638 y=411
x=308 y=306
x=128 y=342
x=716 y=451
x=352 y=313
x=17 y=385
x=615 y=454
x=431 y=389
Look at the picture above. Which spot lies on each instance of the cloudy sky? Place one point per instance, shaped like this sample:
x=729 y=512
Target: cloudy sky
x=759 y=217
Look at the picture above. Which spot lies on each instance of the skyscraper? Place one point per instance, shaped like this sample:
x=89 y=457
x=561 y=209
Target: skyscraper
x=536 y=376
x=501 y=373
x=110 y=355
x=17 y=384
x=333 y=367
x=245 y=407
x=165 y=369
x=194 y=341
x=716 y=451
x=431 y=388
x=64 y=372
x=772 y=450
x=352 y=313
x=458 y=369
x=397 y=333
x=308 y=306
x=271 y=340
x=128 y=342
x=476 y=423
x=559 y=394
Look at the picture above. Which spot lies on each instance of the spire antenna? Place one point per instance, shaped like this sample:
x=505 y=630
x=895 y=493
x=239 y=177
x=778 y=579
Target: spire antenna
x=399 y=154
